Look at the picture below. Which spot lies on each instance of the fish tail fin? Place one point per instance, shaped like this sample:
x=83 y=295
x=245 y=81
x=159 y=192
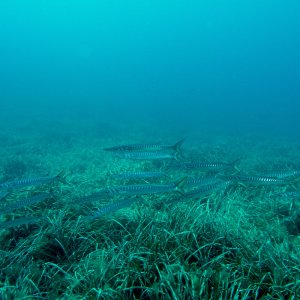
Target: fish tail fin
x=293 y=182
x=179 y=186
x=296 y=178
x=4 y=194
x=178 y=145
x=61 y=176
x=293 y=186
x=166 y=175
x=234 y=164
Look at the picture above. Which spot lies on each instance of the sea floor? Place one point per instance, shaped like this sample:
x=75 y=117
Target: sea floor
x=242 y=242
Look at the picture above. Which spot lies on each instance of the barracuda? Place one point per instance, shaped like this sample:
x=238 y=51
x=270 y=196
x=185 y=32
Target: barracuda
x=284 y=175
x=203 y=190
x=3 y=195
x=112 y=207
x=257 y=180
x=154 y=147
x=139 y=175
x=289 y=194
x=147 y=155
x=202 y=181
x=25 y=202
x=143 y=189
x=30 y=182
x=208 y=188
x=204 y=165
x=20 y=222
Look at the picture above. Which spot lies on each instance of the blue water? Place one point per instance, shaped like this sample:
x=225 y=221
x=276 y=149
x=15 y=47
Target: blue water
x=232 y=66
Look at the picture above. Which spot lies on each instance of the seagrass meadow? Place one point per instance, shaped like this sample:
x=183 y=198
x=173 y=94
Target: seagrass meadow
x=238 y=242
x=149 y=149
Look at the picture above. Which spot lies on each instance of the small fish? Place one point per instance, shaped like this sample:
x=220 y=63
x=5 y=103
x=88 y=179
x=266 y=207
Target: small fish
x=144 y=155
x=112 y=207
x=284 y=175
x=204 y=165
x=139 y=175
x=202 y=190
x=25 y=202
x=255 y=180
x=3 y=195
x=290 y=194
x=195 y=181
x=149 y=147
x=19 y=222
x=143 y=189
x=30 y=182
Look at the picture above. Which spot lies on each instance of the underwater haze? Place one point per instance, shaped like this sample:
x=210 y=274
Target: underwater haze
x=199 y=65
x=149 y=149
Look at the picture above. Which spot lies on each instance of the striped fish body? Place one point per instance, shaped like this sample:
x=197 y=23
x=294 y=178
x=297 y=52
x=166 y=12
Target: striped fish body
x=291 y=195
x=259 y=180
x=3 y=195
x=139 y=175
x=20 y=222
x=202 y=181
x=208 y=188
x=144 y=155
x=202 y=166
x=112 y=207
x=25 y=202
x=284 y=175
x=134 y=147
x=29 y=182
x=141 y=189
x=25 y=182
x=145 y=147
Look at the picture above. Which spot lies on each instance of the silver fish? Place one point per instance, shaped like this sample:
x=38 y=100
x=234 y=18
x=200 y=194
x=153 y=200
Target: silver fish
x=143 y=189
x=144 y=155
x=20 y=221
x=139 y=175
x=147 y=147
x=195 y=181
x=3 y=195
x=25 y=202
x=203 y=165
x=290 y=194
x=30 y=182
x=255 y=180
x=284 y=175
x=202 y=190
x=112 y=207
